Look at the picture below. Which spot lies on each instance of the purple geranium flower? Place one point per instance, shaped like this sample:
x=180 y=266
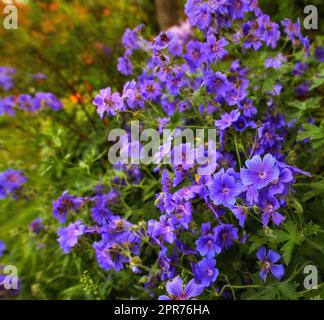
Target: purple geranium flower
x=225 y=235
x=227 y=119
x=206 y=243
x=269 y=206
x=109 y=256
x=260 y=172
x=278 y=186
x=196 y=54
x=268 y=265
x=65 y=204
x=36 y=226
x=68 y=237
x=215 y=49
x=10 y=181
x=205 y=272
x=319 y=53
x=177 y=292
x=216 y=82
x=224 y=189
x=108 y=102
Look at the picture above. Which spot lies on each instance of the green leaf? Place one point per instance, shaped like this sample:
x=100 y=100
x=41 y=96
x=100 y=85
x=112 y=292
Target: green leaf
x=314 y=133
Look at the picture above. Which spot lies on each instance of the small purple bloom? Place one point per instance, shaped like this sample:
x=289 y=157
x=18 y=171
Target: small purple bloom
x=227 y=119
x=268 y=264
x=269 y=206
x=177 y=292
x=319 y=54
x=36 y=226
x=64 y=205
x=225 y=235
x=68 y=236
x=224 y=189
x=108 y=103
x=205 y=272
x=260 y=172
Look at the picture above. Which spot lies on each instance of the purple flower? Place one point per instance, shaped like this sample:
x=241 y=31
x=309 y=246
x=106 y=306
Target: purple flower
x=275 y=62
x=64 y=205
x=100 y=211
x=206 y=243
x=49 y=100
x=260 y=172
x=162 y=230
x=299 y=69
x=162 y=41
x=10 y=182
x=278 y=186
x=216 y=82
x=108 y=103
x=269 y=206
x=125 y=66
x=302 y=89
x=2 y=248
x=6 y=74
x=36 y=226
x=268 y=264
x=224 y=189
x=196 y=54
x=167 y=270
x=109 y=256
x=7 y=106
x=205 y=272
x=319 y=53
x=151 y=90
x=225 y=235
x=215 y=49
x=130 y=38
x=248 y=108
x=68 y=236
x=28 y=103
x=227 y=119
x=117 y=229
x=177 y=292
x=241 y=214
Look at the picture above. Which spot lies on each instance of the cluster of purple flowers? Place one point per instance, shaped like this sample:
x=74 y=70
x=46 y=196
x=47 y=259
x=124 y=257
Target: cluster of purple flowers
x=29 y=103
x=118 y=241
x=179 y=69
x=11 y=182
x=6 y=80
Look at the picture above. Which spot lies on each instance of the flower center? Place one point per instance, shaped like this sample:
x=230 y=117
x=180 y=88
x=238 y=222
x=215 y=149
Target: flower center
x=262 y=174
x=267 y=265
x=209 y=272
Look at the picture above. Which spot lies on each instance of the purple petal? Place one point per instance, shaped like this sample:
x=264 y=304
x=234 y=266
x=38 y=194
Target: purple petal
x=273 y=256
x=193 y=289
x=286 y=175
x=164 y=298
x=174 y=287
x=269 y=161
x=262 y=253
x=277 y=218
x=254 y=164
x=263 y=274
x=277 y=271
